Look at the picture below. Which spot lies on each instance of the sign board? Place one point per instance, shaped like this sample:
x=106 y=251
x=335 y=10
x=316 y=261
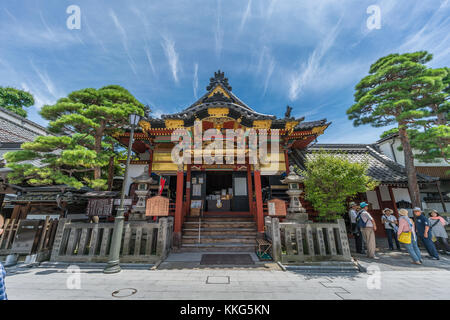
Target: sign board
x=126 y=202
x=157 y=206
x=276 y=207
x=25 y=236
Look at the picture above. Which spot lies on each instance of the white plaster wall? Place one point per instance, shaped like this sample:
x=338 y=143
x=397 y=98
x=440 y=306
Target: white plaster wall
x=400 y=158
x=134 y=170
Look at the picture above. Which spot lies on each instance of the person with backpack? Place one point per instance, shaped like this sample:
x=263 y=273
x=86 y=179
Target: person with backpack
x=367 y=225
x=424 y=233
x=352 y=214
x=3 y=295
x=390 y=226
x=407 y=236
x=437 y=227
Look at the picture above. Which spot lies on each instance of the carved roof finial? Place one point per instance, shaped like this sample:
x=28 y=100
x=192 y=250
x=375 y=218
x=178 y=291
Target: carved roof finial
x=219 y=78
x=287 y=115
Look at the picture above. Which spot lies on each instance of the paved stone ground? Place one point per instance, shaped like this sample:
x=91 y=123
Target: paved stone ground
x=50 y=282
x=181 y=276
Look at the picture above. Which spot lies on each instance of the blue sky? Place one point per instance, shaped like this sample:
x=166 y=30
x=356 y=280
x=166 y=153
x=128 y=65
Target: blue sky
x=308 y=54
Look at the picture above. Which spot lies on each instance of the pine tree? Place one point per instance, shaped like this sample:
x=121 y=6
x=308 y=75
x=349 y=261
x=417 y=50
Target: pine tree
x=431 y=133
x=15 y=100
x=393 y=93
x=84 y=122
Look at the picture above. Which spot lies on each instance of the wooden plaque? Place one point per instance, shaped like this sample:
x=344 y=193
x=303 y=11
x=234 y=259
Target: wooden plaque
x=157 y=206
x=276 y=207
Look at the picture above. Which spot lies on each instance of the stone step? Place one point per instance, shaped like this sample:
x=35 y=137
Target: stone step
x=219 y=239
x=220 y=219
x=220 y=231
x=219 y=224
x=219 y=247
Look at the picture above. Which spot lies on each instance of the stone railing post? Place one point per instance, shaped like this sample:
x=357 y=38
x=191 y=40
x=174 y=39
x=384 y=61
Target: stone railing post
x=58 y=239
x=343 y=240
x=161 y=246
x=276 y=239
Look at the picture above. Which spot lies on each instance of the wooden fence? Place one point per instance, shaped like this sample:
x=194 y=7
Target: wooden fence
x=90 y=242
x=39 y=243
x=308 y=242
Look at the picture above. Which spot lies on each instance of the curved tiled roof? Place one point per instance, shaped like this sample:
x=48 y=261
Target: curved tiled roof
x=381 y=167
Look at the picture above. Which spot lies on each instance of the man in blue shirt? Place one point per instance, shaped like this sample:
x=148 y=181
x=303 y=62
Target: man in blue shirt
x=2 y=270
x=422 y=231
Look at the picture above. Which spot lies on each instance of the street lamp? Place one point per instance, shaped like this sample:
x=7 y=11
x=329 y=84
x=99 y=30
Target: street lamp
x=113 y=265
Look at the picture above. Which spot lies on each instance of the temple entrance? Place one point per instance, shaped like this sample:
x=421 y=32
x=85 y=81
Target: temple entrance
x=226 y=192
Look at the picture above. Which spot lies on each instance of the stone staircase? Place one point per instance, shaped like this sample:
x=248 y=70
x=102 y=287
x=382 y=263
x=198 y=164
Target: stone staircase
x=219 y=233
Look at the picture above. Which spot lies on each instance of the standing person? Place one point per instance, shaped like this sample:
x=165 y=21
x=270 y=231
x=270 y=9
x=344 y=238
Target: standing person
x=368 y=227
x=2 y=269
x=352 y=214
x=437 y=226
x=406 y=226
x=424 y=234
x=390 y=226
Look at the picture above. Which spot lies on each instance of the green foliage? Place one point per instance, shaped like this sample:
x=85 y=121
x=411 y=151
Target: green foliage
x=80 y=154
x=433 y=143
x=15 y=100
x=400 y=90
x=387 y=133
x=330 y=179
x=390 y=93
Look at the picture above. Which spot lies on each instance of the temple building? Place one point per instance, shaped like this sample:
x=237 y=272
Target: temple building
x=219 y=190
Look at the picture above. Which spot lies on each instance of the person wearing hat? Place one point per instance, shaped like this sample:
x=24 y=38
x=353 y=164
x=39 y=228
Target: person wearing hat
x=406 y=225
x=424 y=233
x=390 y=226
x=437 y=225
x=352 y=214
x=368 y=229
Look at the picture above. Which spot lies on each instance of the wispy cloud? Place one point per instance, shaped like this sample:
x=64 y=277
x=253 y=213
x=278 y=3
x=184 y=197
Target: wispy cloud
x=172 y=56
x=124 y=38
x=40 y=98
x=218 y=32
x=45 y=80
x=245 y=15
x=195 y=81
x=309 y=70
x=434 y=36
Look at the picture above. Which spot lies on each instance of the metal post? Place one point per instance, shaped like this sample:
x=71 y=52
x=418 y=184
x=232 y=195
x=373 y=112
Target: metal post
x=113 y=265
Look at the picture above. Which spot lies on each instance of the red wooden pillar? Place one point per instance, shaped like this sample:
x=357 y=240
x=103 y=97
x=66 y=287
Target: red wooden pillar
x=150 y=163
x=286 y=160
x=178 y=207
x=250 y=189
x=259 y=202
x=188 y=189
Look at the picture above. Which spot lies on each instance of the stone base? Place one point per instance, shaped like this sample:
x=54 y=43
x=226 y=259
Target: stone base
x=137 y=216
x=301 y=217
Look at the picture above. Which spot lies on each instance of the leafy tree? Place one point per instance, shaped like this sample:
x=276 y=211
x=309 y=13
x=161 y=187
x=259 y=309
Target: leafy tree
x=85 y=122
x=398 y=90
x=15 y=100
x=331 y=179
x=431 y=133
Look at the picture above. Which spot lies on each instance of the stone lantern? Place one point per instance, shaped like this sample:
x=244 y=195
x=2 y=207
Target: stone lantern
x=142 y=192
x=295 y=212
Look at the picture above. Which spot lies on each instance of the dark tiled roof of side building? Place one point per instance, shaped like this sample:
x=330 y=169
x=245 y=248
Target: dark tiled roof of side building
x=381 y=167
x=17 y=129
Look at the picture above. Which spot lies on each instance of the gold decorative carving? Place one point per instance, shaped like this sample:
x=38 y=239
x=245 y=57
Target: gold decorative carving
x=318 y=130
x=219 y=89
x=290 y=125
x=174 y=123
x=218 y=112
x=145 y=125
x=262 y=124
